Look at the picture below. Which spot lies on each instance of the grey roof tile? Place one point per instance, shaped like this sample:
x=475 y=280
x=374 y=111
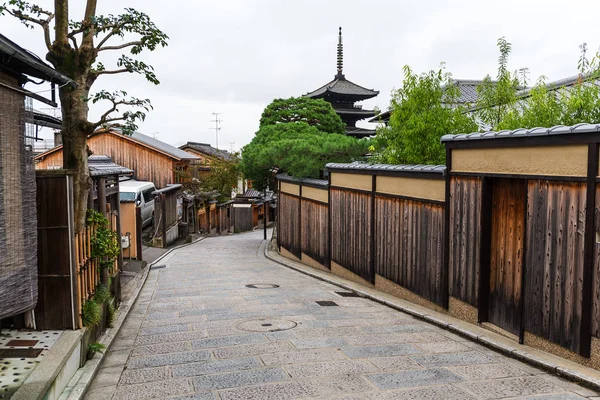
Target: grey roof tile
x=164 y=147
x=209 y=150
x=307 y=181
x=439 y=169
x=581 y=128
x=100 y=165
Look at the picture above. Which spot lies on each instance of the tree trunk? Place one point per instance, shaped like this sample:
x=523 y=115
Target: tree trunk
x=76 y=129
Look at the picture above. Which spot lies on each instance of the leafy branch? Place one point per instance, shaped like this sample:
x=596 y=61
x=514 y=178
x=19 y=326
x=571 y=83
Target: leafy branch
x=126 y=120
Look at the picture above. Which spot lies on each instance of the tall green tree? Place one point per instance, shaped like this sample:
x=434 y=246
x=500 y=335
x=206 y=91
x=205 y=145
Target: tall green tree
x=315 y=112
x=548 y=106
x=422 y=111
x=73 y=49
x=298 y=149
x=497 y=98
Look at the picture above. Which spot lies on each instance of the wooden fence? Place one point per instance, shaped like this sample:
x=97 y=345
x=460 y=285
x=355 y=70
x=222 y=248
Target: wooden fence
x=166 y=218
x=68 y=274
x=517 y=249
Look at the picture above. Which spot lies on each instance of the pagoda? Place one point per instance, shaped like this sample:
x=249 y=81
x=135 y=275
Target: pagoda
x=343 y=94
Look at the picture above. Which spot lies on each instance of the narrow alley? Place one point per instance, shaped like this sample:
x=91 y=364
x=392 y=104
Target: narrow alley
x=218 y=320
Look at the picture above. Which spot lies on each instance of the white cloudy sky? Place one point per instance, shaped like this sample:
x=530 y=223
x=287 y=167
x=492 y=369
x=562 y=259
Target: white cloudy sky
x=235 y=56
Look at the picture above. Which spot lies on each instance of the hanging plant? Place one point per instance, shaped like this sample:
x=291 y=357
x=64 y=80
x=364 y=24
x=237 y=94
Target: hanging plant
x=105 y=243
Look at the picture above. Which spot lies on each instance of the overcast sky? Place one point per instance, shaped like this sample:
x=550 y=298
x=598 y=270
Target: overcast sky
x=236 y=56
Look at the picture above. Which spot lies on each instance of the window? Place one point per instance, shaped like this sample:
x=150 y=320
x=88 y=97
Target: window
x=148 y=196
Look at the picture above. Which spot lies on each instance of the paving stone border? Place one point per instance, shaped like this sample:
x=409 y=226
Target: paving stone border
x=82 y=379
x=521 y=354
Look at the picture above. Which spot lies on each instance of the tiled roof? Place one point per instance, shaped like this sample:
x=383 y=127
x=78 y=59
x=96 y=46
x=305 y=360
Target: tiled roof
x=25 y=62
x=164 y=147
x=518 y=133
x=342 y=86
x=307 y=181
x=103 y=166
x=207 y=149
x=359 y=132
x=436 y=169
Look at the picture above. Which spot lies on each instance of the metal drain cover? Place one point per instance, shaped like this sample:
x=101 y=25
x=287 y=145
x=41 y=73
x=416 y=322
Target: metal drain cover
x=262 y=286
x=266 y=325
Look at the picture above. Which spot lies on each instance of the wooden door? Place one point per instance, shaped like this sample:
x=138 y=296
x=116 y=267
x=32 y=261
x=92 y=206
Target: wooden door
x=506 y=255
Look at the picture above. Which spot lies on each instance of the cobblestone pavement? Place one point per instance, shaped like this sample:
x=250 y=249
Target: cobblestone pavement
x=198 y=331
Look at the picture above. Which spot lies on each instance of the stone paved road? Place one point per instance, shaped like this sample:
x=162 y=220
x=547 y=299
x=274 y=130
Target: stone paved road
x=197 y=332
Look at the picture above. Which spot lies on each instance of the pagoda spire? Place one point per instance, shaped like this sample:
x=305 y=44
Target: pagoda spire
x=340 y=56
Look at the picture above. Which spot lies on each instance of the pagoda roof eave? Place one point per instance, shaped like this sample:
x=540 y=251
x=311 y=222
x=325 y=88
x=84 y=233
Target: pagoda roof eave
x=340 y=86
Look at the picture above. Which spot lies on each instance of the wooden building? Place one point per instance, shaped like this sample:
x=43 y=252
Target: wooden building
x=18 y=222
x=149 y=158
x=343 y=94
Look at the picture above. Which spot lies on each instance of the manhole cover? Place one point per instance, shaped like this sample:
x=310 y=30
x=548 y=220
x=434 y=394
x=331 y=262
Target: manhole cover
x=266 y=325
x=262 y=286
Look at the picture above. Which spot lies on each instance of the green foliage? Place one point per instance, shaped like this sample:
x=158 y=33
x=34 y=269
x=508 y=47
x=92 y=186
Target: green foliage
x=544 y=107
x=94 y=348
x=102 y=294
x=222 y=177
x=296 y=148
x=105 y=242
x=496 y=99
x=111 y=312
x=419 y=118
x=91 y=313
x=315 y=112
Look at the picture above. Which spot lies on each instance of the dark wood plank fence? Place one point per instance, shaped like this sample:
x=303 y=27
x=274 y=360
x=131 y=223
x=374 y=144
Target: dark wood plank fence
x=315 y=230
x=351 y=228
x=409 y=245
x=554 y=264
x=288 y=233
x=465 y=218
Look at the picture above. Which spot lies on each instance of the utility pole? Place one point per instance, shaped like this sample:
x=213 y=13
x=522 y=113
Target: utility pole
x=217 y=121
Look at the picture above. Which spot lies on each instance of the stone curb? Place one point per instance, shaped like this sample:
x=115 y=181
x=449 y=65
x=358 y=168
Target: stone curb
x=82 y=379
x=438 y=320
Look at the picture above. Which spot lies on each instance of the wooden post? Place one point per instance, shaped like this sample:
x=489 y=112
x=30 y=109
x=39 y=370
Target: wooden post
x=372 y=230
x=485 y=246
x=445 y=285
x=588 y=252
x=329 y=234
x=138 y=232
x=163 y=205
x=102 y=196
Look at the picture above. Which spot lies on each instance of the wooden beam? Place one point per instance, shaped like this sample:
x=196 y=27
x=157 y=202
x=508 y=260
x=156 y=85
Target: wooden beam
x=485 y=245
x=588 y=252
x=445 y=286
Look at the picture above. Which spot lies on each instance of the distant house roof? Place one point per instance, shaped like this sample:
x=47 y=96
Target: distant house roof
x=251 y=193
x=520 y=133
x=162 y=146
x=207 y=149
x=103 y=166
x=467 y=94
x=140 y=138
x=359 y=132
x=23 y=61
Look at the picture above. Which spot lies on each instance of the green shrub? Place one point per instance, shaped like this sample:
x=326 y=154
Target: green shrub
x=91 y=313
x=102 y=295
x=94 y=348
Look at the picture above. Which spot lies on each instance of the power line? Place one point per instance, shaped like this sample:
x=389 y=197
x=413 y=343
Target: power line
x=217 y=121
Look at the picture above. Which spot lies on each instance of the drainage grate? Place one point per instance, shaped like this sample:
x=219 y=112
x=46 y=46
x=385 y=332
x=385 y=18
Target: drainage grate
x=262 y=286
x=158 y=267
x=327 y=303
x=21 y=343
x=348 y=294
x=20 y=353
